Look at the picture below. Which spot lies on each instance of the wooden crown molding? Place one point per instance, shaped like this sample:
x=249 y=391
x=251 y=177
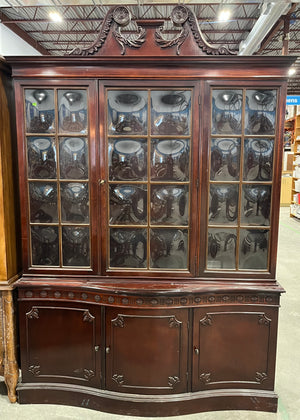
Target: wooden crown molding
x=181 y=17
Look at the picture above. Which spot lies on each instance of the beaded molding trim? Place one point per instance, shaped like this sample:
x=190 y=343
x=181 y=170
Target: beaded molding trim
x=151 y=301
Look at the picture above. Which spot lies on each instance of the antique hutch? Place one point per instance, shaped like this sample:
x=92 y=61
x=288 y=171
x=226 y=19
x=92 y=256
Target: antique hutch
x=9 y=249
x=149 y=169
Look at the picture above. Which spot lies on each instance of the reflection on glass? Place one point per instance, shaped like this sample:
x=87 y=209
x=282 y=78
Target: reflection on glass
x=221 y=248
x=41 y=152
x=170 y=160
x=170 y=112
x=227 y=111
x=72 y=111
x=260 y=111
x=256 y=203
x=127 y=159
x=223 y=204
x=44 y=243
x=73 y=158
x=128 y=204
x=43 y=202
x=253 y=249
x=225 y=159
x=39 y=109
x=258 y=159
x=127 y=112
x=74 y=202
x=169 y=205
x=168 y=248
x=128 y=248
x=76 y=248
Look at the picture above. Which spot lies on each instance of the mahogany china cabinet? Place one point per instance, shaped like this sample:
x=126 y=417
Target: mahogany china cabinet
x=149 y=166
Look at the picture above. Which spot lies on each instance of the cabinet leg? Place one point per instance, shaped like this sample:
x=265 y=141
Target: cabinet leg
x=1 y=338
x=11 y=370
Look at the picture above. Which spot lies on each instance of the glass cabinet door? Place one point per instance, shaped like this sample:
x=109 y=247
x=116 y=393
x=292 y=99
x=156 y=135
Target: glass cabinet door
x=148 y=139
x=58 y=176
x=240 y=180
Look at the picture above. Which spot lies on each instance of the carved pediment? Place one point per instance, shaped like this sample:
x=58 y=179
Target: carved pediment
x=120 y=35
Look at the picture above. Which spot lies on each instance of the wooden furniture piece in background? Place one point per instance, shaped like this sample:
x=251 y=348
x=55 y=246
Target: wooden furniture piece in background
x=295 y=191
x=149 y=176
x=8 y=238
x=286 y=188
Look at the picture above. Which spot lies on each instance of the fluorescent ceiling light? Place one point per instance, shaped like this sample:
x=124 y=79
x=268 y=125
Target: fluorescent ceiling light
x=56 y=17
x=291 y=71
x=224 y=15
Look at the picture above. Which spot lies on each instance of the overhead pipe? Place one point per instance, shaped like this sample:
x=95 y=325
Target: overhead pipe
x=271 y=12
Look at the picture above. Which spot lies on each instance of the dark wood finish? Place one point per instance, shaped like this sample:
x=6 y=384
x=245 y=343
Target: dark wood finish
x=158 y=342
x=246 y=342
x=150 y=37
x=137 y=339
x=138 y=336
x=64 y=353
x=142 y=405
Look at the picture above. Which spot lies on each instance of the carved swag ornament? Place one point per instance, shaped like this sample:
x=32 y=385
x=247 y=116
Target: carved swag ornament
x=184 y=17
x=117 y=18
x=181 y=17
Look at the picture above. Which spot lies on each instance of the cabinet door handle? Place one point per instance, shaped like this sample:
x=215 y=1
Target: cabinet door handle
x=196 y=351
x=107 y=350
x=97 y=348
x=101 y=181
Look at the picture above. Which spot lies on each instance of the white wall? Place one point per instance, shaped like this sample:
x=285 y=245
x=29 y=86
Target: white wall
x=12 y=44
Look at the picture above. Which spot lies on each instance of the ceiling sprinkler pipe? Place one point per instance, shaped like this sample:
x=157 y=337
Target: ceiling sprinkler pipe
x=271 y=12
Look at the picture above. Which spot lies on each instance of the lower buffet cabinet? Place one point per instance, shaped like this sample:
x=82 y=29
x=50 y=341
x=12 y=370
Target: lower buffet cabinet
x=148 y=355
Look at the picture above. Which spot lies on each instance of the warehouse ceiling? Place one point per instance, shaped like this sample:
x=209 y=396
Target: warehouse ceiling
x=254 y=27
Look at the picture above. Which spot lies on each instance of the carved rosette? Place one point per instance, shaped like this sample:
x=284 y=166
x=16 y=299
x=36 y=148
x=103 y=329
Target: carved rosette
x=33 y=314
x=173 y=380
x=115 y=19
x=260 y=377
x=207 y=320
x=118 y=322
x=184 y=17
x=122 y=17
x=174 y=323
x=162 y=301
x=179 y=16
x=87 y=316
x=88 y=374
x=264 y=320
x=119 y=379
x=35 y=370
x=205 y=378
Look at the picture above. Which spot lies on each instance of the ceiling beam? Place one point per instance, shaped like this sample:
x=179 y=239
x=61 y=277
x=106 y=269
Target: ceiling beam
x=85 y=19
x=49 y=3
x=22 y=34
x=90 y=31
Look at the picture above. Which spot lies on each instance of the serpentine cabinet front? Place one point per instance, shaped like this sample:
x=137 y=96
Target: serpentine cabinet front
x=149 y=232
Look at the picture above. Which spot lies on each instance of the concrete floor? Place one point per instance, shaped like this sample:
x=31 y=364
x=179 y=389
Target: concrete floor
x=288 y=355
